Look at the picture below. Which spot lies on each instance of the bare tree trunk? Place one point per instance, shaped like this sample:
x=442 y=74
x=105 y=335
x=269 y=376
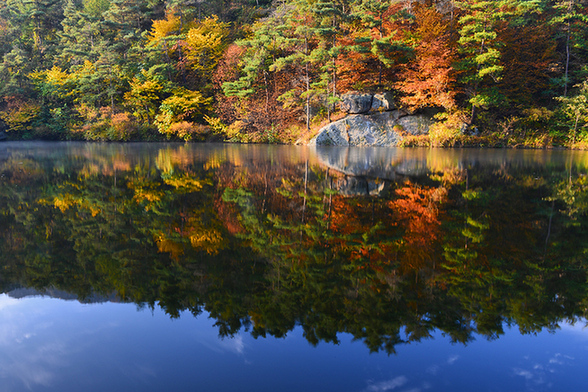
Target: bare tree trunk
x=567 y=61
x=307 y=76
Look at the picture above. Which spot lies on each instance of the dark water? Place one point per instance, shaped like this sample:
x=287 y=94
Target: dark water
x=143 y=267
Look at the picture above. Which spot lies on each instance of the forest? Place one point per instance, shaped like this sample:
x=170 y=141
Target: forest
x=500 y=73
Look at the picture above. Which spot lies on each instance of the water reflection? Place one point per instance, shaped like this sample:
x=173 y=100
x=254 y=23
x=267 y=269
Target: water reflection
x=387 y=245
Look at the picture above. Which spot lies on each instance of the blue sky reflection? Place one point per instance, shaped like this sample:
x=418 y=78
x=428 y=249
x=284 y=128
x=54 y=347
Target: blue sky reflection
x=54 y=345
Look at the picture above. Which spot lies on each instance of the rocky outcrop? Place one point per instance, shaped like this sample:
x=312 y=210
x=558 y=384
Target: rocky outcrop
x=377 y=129
x=383 y=102
x=356 y=103
x=373 y=120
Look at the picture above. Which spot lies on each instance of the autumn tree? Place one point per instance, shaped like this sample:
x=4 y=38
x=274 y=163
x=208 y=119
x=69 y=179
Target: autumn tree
x=429 y=79
x=279 y=45
x=375 y=46
x=205 y=44
x=528 y=53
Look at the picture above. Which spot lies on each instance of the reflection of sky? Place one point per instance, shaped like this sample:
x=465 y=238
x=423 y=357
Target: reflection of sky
x=53 y=345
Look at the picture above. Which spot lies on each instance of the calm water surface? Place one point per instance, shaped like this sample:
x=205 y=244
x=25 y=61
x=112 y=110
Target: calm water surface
x=146 y=267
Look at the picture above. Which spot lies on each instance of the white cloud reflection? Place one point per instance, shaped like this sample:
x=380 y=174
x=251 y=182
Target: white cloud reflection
x=208 y=337
x=32 y=365
x=25 y=359
x=523 y=373
x=578 y=328
x=388 y=385
x=32 y=350
x=538 y=373
x=43 y=342
x=6 y=302
x=433 y=370
x=234 y=344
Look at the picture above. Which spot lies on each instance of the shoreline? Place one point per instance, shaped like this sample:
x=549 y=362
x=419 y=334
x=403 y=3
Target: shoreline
x=482 y=143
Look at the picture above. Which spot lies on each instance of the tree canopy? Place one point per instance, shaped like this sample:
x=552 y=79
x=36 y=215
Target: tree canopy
x=240 y=70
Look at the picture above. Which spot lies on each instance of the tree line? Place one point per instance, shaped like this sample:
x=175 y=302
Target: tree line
x=269 y=71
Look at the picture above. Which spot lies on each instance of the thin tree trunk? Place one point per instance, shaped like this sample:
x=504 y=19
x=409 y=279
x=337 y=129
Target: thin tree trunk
x=575 y=130
x=307 y=76
x=266 y=91
x=334 y=61
x=567 y=61
x=473 y=114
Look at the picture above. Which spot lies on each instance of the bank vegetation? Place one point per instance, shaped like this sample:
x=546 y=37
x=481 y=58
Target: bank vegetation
x=497 y=73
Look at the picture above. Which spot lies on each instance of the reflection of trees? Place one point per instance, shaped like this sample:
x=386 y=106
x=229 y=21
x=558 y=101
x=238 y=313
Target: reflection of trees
x=267 y=247
x=465 y=255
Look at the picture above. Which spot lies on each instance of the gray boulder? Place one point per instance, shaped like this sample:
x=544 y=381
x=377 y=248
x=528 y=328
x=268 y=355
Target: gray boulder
x=355 y=103
x=383 y=102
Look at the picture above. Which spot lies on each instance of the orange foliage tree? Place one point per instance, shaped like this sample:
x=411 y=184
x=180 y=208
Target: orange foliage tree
x=374 y=46
x=430 y=79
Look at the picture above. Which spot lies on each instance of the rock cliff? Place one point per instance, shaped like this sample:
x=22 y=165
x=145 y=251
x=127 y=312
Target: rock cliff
x=372 y=120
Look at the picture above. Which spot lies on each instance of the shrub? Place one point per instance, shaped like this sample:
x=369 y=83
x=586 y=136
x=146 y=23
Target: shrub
x=446 y=131
x=188 y=131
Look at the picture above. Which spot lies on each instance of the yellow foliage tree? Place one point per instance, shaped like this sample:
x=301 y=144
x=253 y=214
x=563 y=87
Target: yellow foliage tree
x=53 y=82
x=145 y=96
x=205 y=44
x=183 y=105
x=164 y=32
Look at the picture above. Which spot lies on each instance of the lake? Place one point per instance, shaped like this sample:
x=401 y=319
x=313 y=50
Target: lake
x=216 y=267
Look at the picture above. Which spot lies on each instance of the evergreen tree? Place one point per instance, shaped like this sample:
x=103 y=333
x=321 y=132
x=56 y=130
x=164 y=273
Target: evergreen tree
x=571 y=20
x=379 y=37
x=81 y=33
x=481 y=50
x=330 y=17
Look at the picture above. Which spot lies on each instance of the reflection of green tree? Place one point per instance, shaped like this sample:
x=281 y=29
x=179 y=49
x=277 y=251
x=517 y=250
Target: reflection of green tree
x=506 y=247
x=495 y=251
x=100 y=238
x=328 y=275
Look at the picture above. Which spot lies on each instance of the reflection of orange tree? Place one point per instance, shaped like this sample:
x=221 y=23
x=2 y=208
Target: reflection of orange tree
x=417 y=211
x=334 y=266
x=463 y=257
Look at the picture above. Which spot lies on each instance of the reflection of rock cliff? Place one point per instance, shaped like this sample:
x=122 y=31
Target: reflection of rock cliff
x=373 y=120
x=360 y=186
x=380 y=163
